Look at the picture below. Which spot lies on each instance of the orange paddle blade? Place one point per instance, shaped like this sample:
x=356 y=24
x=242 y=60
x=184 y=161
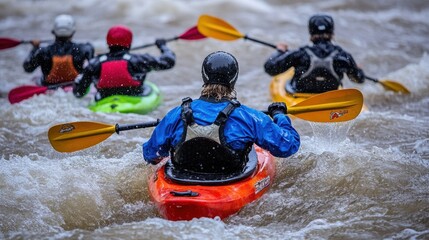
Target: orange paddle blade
x=333 y=106
x=217 y=28
x=70 y=137
x=394 y=86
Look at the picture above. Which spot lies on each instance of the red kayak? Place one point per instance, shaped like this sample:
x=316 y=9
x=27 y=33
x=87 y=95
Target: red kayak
x=184 y=198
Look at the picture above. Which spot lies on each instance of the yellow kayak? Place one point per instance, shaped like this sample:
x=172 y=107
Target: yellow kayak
x=279 y=94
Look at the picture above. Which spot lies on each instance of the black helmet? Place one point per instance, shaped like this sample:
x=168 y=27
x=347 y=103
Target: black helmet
x=319 y=24
x=220 y=68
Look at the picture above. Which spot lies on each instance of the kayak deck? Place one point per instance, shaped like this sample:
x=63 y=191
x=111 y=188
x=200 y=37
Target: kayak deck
x=178 y=201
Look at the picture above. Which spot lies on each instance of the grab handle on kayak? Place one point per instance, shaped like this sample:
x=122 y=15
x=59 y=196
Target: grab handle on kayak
x=188 y=193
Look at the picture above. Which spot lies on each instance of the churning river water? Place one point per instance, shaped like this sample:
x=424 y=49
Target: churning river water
x=364 y=179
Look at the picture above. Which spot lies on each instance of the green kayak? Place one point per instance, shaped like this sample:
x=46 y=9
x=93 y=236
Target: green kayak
x=150 y=100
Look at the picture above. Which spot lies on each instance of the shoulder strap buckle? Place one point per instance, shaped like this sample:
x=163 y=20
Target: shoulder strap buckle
x=224 y=114
x=235 y=102
x=186 y=114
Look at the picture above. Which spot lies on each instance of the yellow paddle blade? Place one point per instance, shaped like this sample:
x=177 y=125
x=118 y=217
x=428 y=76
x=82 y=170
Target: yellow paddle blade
x=70 y=137
x=333 y=106
x=394 y=86
x=217 y=28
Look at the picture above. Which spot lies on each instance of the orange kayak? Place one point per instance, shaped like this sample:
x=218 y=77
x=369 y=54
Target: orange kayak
x=182 y=200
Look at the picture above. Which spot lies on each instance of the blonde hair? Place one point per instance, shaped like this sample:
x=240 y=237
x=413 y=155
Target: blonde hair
x=218 y=91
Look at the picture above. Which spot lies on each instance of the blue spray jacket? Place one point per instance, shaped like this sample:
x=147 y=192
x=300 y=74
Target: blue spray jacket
x=245 y=125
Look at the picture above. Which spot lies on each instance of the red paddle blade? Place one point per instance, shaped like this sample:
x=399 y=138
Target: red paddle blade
x=21 y=93
x=9 y=43
x=192 y=34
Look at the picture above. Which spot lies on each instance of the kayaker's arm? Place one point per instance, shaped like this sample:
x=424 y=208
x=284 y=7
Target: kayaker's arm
x=159 y=144
x=280 y=62
x=89 y=50
x=356 y=75
x=83 y=81
x=288 y=139
x=152 y=154
x=82 y=53
x=276 y=135
x=347 y=64
x=32 y=61
x=167 y=59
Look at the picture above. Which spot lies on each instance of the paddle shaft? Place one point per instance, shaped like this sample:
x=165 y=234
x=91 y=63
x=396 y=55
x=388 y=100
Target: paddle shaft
x=153 y=44
x=372 y=79
x=41 y=41
x=261 y=42
x=119 y=128
x=64 y=84
x=190 y=34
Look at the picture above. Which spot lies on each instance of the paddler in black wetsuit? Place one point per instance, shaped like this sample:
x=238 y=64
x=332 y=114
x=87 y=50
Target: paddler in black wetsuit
x=119 y=72
x=318 y=68
x=63 y=60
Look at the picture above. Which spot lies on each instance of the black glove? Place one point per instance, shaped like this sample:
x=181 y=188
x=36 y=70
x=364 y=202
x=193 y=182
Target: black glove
x=276 y=108
x=160 y=42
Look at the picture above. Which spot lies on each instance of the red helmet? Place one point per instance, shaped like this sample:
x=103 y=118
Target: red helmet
x=119 y=36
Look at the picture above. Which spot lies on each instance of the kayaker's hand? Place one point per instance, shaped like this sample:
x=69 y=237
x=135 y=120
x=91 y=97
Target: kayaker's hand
x=155 y=161
x=283 y=47
x=160 y=42
x=277 y=108
x=35 y=43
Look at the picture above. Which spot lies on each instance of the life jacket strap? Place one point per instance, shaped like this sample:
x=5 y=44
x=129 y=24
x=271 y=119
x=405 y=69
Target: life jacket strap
x=186 y=114
x=224 y=114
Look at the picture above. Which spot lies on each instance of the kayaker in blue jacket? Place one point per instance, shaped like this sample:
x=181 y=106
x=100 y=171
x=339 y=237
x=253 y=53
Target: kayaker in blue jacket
x=215 y=132
x=318 y=68
x=119 y=72
x=62 y=60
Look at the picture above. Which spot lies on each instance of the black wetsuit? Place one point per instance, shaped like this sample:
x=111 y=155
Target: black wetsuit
x=318 y=68
x=136 y=67
x=46 y=58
